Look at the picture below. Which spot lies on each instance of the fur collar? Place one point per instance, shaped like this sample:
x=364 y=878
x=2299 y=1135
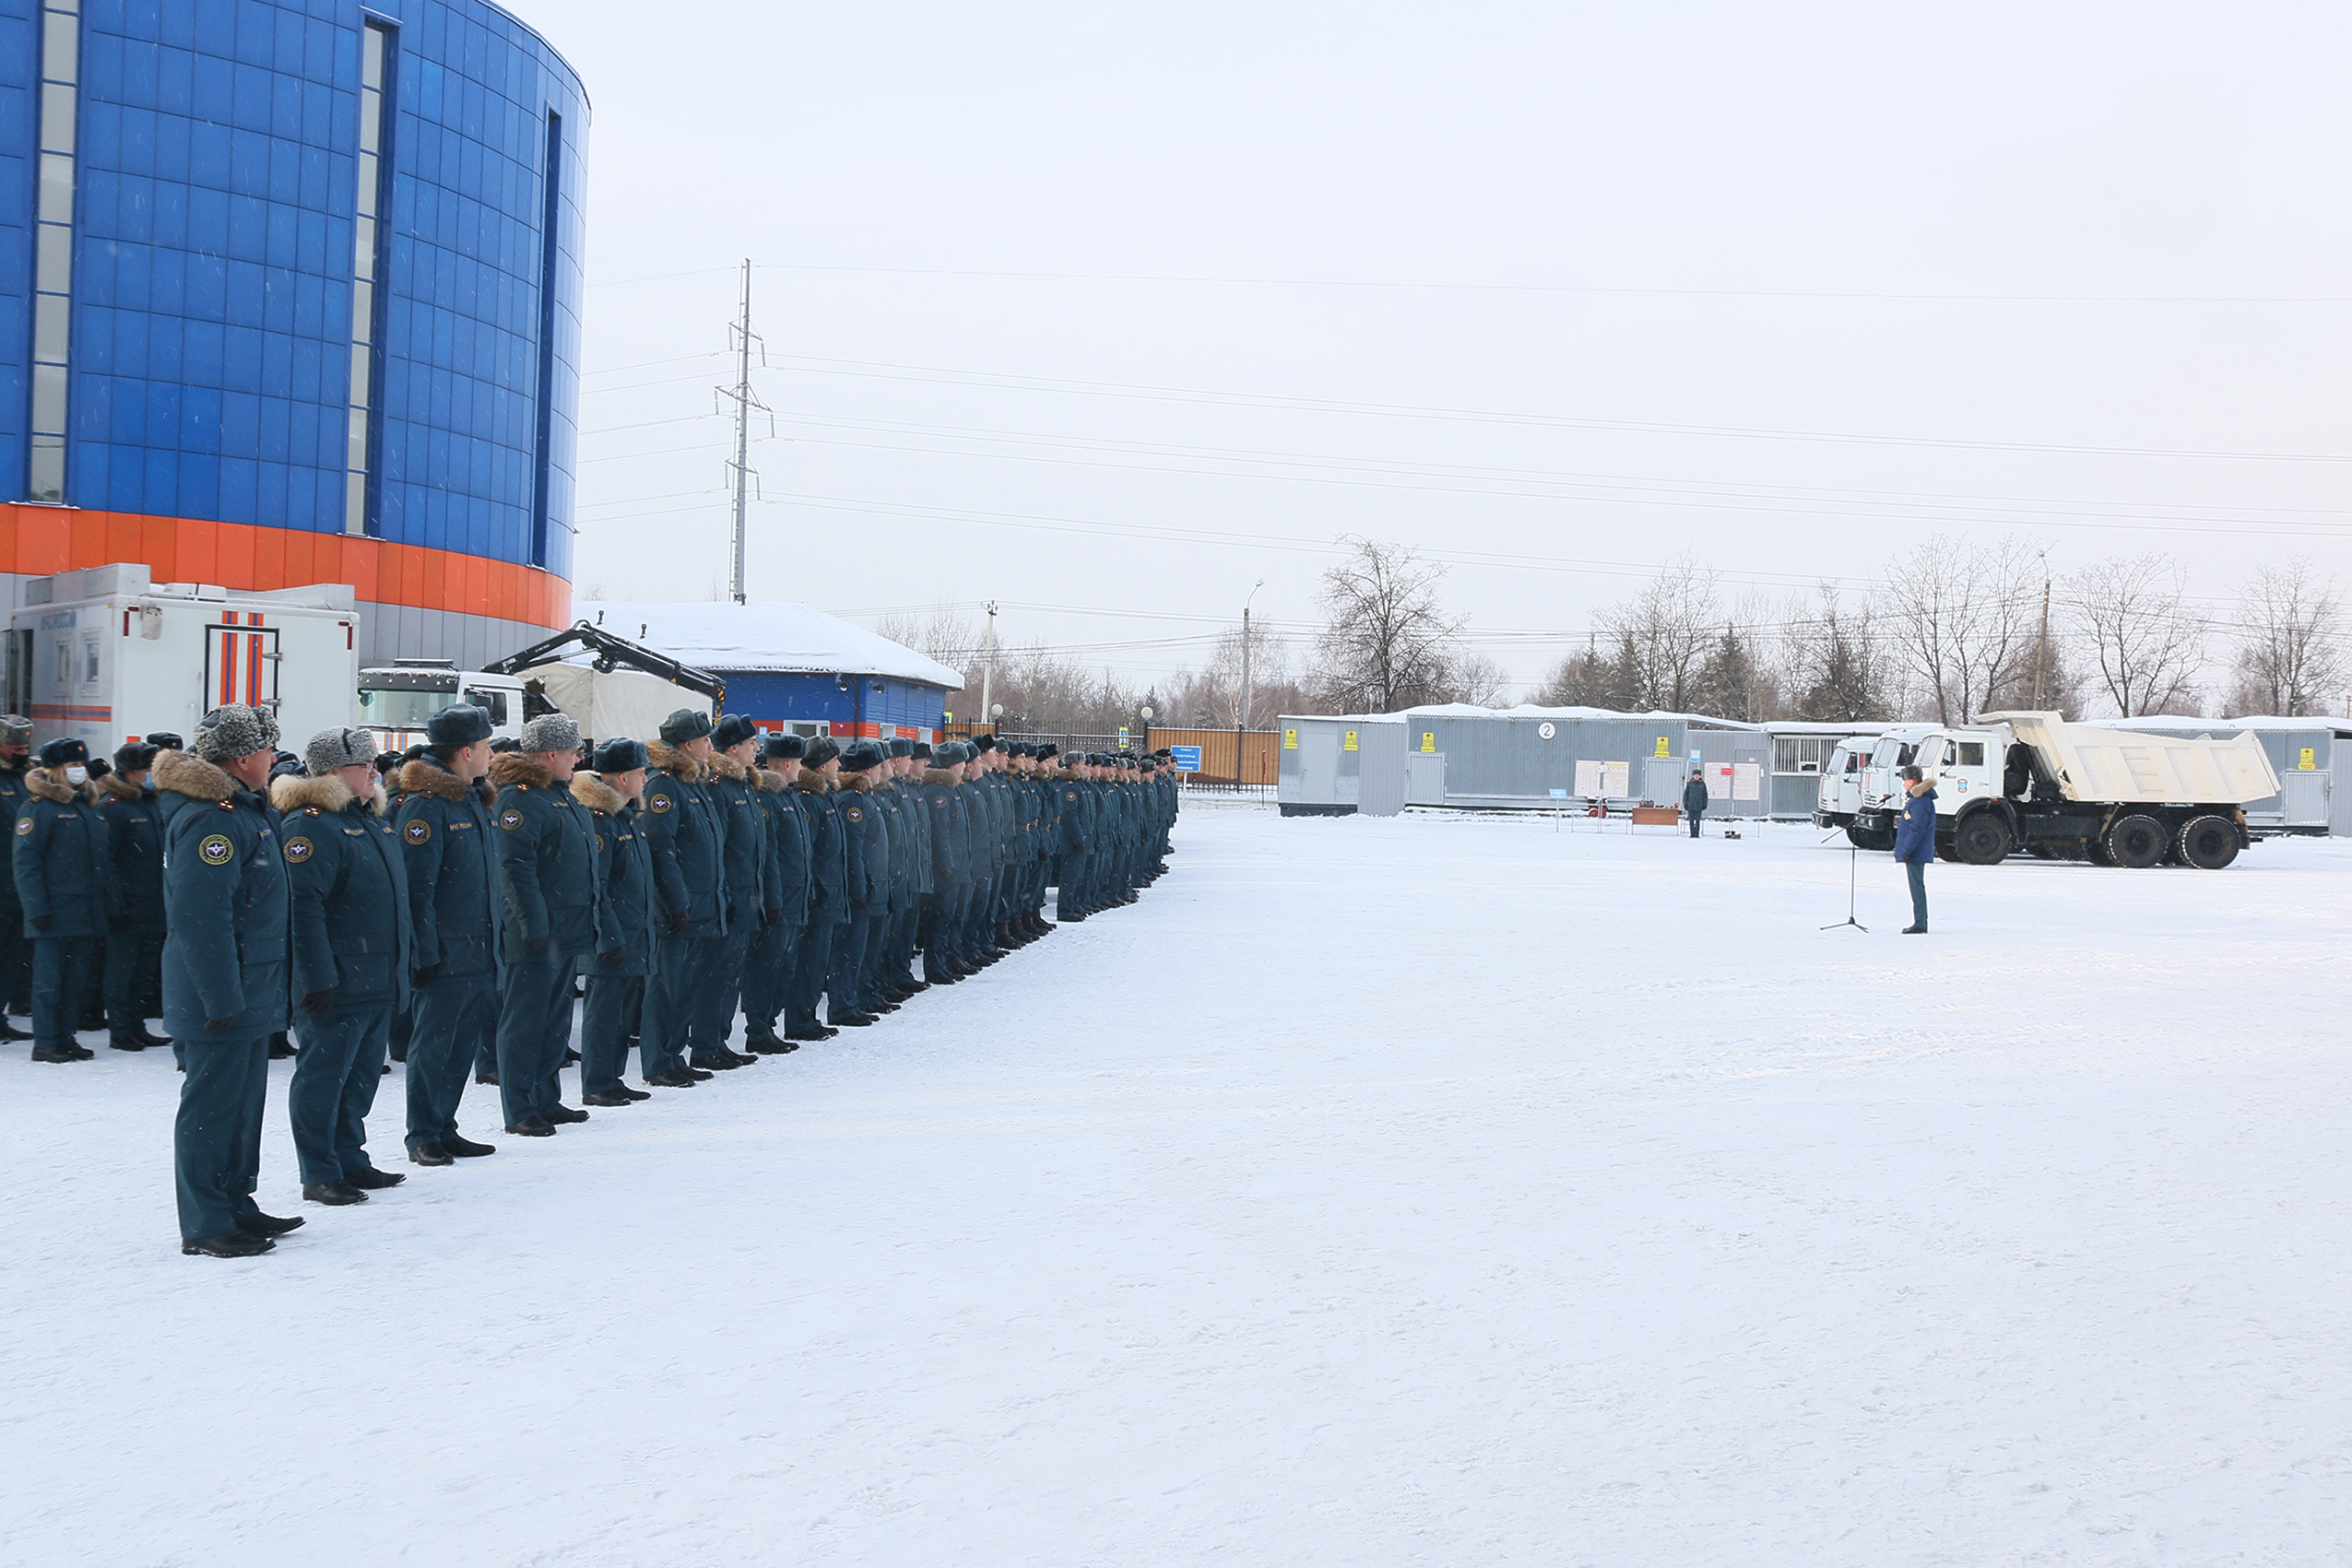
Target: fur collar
x=508 y=769
x=591 y=791
x=769 y=780
x=864 y=784
x=674 y=762
x=53 y=786
x=185 y=772
x=431 y=776
x=297 y=791
x=813 y=783
x=940 y=776
x=723 y=766
x=116 y=788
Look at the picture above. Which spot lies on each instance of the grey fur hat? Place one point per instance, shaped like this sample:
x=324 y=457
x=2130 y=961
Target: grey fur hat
x=232 y=731
x=16 y=729
x=332 y=749
x=550 y=732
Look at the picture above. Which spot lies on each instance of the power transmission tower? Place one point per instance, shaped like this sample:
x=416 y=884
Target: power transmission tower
x=746 y=401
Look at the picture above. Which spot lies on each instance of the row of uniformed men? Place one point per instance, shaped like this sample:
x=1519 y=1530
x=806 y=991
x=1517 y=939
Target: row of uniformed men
x=681 y=877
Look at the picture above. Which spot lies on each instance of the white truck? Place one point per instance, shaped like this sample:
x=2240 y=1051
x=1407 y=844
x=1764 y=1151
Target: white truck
x=2065 y=791
x=106 y=655
x=1864 y=778
x=396 y=703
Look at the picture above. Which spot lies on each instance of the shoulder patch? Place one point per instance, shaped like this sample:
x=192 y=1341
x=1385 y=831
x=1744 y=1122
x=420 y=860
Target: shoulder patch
x=24 y=826
x=510 y=818
x=216 y=849
x=1071 y=795
x=419 y=831
x=853 y=813
x=939 y=801
x=659 y=803
x=298 y=850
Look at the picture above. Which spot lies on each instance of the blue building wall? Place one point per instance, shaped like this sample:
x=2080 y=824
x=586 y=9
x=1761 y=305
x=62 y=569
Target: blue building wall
x=773 y=698
x=19 y=45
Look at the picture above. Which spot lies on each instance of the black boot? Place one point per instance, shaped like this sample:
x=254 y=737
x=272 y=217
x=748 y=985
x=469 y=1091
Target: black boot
x=228 y=1244
x=466 y=1147
x=676 y=1079
x=260 y=1224
x=335 y=1195
x=430 y=1154
x=372 y=1179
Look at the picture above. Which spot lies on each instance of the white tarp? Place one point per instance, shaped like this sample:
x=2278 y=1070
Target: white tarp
x=772 y=635
x=625 y=702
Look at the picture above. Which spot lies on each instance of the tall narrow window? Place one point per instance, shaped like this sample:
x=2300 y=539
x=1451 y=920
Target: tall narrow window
x=367 y=252
x=551 y=214
x=52 y=262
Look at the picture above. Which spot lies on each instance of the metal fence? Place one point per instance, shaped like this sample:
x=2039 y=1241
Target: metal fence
x=1243 y=759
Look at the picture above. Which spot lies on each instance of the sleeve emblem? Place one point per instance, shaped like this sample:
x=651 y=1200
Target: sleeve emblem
x=216 y=849
x=419 y=831
x=298 y=850
x=659 y=803
x=510 y=818
x=855 y=815
x=24 y=826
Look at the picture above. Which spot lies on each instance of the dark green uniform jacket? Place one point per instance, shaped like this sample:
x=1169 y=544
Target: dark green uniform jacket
x=630 y=922
x=65 y=874
x=225 y=900
x=135 y=849
x=548 y=865
x=684 y=830
x=788 y=845
x=444 y=828
x=348 y=882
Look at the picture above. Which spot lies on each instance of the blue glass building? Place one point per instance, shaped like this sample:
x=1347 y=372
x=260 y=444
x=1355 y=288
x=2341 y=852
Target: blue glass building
x=289 y=292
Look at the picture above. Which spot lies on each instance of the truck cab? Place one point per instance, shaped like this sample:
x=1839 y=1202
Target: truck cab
x=1841 y=783
x=396 y=703
x=1880 y=788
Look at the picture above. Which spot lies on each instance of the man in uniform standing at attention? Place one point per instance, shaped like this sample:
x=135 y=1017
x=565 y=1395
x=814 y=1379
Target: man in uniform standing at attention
x=626 y=947
x=65 y=884
x=767 y=976
x=553 y=887
x=747 y=874
x=686 y=838
x=135 y=931
x=15 y=950
x=225 y=971
x=452 y=870
x=829 y=908
x=349 y=887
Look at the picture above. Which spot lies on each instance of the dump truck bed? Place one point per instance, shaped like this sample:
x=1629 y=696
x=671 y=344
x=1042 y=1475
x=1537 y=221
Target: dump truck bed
x=2094 y=765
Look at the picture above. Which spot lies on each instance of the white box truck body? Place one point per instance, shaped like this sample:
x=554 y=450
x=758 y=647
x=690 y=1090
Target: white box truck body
x=107 y=655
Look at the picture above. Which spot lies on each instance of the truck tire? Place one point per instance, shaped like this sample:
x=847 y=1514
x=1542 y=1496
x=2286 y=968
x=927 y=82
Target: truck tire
x=2207 y=843
x=1862 y=838
x=2137 y=841
x=1982 y=839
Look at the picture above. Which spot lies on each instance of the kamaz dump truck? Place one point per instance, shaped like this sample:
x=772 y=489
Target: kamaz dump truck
x=2077 y=792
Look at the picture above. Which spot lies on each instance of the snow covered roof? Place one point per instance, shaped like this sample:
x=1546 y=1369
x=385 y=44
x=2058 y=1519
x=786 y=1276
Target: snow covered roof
x=1530 y=711
x=765 y=635
x=2191 y=724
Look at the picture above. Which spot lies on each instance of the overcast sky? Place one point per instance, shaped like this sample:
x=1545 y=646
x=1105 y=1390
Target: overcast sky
x=1106 y=315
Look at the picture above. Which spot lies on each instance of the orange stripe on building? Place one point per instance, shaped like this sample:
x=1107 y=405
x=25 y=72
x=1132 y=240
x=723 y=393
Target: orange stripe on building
x=38 y=540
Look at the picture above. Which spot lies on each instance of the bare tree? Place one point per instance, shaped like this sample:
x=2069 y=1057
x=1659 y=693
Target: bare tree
x=1963 y=616
x=942 y=632
x=1591 y=677
x=1477 y=679
x=1667 y=631
x=2290 y=641
x=1835 y=670
x=1387 y=642
x=2143 y=647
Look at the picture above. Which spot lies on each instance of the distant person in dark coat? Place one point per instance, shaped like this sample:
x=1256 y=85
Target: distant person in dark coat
x=1915 y=843
x=1695 y=800
x=135 y=931
x=65 y=879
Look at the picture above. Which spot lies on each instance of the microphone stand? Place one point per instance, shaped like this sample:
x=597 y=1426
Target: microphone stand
x=1854 y=871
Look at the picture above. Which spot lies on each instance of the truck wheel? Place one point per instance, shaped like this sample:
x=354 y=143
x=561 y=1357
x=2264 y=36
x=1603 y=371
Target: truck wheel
x=2208 y=843
x=1862 y=838
x=2095 y=851
x=1982 y=839
x=2136 y=841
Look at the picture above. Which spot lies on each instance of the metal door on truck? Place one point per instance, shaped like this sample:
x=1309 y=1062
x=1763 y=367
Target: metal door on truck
x=241 y=665
x=1425 y=778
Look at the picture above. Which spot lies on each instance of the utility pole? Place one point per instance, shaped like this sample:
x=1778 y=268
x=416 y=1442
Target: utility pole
x=745 y=401
x=1241 y=730
x=2041 y=644
x=988 y=669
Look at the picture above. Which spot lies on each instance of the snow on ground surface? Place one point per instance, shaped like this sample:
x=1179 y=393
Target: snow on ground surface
x=1435 y=1190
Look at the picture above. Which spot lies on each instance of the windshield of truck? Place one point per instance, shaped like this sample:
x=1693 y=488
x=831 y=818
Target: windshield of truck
x=401 y=709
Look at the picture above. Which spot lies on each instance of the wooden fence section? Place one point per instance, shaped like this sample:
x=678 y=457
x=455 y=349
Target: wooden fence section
x=1259 y=751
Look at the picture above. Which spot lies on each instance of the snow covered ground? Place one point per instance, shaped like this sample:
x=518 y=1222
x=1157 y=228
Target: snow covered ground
x=1432 y=1191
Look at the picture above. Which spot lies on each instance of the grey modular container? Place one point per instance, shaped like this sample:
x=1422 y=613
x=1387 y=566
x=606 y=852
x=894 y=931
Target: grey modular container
x=1322 y=768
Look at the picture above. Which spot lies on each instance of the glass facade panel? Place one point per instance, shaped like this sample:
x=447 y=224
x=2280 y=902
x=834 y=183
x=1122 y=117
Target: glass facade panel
x=375 y=51
x=53 y=264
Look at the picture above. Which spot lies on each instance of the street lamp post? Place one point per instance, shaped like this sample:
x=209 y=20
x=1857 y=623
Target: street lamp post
x=1242 y=729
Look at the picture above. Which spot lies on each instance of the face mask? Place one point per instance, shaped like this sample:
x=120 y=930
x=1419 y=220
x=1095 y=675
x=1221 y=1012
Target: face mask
x=76 y=774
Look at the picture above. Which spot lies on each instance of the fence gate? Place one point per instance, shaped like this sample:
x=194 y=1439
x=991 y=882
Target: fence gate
x=241 y=662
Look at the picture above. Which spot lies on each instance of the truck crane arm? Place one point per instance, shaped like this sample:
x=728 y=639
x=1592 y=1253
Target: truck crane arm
x=613 y=653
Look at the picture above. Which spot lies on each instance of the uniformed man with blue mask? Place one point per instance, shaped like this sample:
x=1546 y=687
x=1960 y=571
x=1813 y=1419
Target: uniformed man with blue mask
x=226 y=971
x=64 y=878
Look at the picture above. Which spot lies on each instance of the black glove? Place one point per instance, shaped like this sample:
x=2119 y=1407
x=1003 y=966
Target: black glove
x=121 y=923
x=318 y=1002
x=219 y=1025
x=420 y=978
x=38 y=921
x=614 y=959
x=677 y=923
